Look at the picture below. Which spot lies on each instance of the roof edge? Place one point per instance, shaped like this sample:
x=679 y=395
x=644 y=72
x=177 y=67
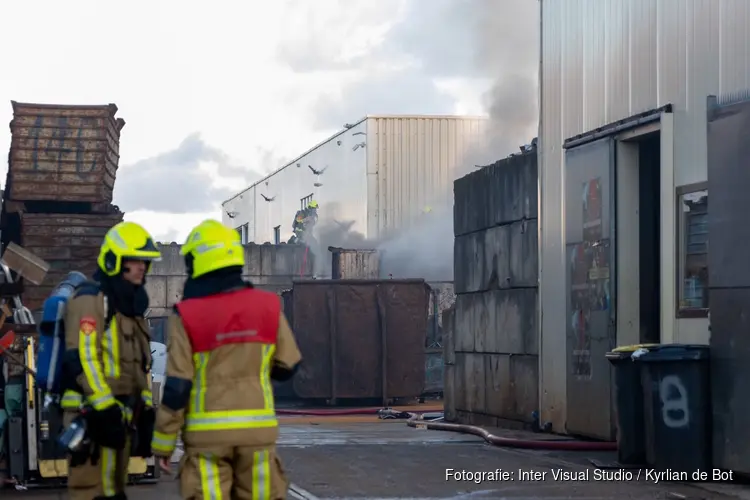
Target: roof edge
x=343 y=131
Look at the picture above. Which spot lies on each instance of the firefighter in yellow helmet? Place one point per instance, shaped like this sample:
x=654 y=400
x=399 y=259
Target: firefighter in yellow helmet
x=226 y=341
x=106 y=365
x=312 y=212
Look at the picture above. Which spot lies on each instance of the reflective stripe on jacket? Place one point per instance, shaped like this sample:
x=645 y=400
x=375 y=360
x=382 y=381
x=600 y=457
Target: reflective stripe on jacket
x=218 y=391
x=114 y=361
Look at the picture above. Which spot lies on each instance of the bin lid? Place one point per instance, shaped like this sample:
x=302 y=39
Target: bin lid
x=625 y=352
x=675 y=352
x=634 y=347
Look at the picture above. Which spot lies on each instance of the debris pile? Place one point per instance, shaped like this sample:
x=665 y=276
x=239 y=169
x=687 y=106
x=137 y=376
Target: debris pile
x=62 y=167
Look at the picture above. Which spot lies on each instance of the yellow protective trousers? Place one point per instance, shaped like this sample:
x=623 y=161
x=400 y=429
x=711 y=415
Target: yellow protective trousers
x=233 y=473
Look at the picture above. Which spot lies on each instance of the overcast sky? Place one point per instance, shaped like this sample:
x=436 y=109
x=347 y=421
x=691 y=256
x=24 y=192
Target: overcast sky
x=217 y=93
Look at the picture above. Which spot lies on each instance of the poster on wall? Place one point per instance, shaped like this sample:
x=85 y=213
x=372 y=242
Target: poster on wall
x=581 y=322
x=592 y=210
x=581 y=301
x=599 y=277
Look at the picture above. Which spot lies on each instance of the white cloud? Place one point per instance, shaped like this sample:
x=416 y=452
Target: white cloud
x=250 y=84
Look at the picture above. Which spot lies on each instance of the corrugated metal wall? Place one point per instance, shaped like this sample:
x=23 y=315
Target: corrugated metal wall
x=340 y=190
x=412 y=162
x=605 y=60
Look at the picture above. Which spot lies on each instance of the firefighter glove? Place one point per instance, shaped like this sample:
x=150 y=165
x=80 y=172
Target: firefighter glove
x=108 y=428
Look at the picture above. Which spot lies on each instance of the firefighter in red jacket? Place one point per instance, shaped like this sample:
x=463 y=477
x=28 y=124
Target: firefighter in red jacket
x=226 y=340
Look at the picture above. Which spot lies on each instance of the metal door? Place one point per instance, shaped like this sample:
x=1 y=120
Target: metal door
x=590 y=246
x=729 y=279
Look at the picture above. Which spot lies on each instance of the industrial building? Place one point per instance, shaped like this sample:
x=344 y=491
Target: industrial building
x=641 y=114
x=373 y=177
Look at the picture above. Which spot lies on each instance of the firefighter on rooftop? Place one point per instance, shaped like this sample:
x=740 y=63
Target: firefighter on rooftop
x=226 y=341
x=107 y=362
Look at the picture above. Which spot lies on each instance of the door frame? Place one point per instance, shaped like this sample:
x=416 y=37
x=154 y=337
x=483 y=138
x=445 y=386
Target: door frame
x=661 y=119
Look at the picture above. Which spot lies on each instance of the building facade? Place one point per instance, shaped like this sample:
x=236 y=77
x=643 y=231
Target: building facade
x=373 y=177
x=624 y=174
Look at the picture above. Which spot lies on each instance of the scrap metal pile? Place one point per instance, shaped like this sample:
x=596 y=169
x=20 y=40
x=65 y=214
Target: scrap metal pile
x=61 y=174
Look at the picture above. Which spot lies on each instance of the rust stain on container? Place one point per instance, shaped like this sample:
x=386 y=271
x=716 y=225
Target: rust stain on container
x=360 y=338
x=63 y=153
x=285 y=390
x=354 y=264
x=67 y=242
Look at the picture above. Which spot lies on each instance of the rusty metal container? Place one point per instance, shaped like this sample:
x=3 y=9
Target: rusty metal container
x=67 y=242
x=63 y=153
x=360 y=338
x=285 y=390
x=349 y=264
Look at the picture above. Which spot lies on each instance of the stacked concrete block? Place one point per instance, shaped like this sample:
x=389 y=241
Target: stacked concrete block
x=492 y=355
x=269 y=267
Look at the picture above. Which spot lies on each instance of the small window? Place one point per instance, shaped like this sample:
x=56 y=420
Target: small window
x=305 y=201
x=277 y=235
x=692 y=229
x=243 y=231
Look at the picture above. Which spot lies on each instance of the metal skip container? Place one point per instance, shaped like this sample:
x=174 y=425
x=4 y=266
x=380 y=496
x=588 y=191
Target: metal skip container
x=354 y=264
x=360 y=339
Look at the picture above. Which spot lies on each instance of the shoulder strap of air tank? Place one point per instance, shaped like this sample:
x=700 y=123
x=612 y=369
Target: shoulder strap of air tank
x=87 y=288
x=94 y=288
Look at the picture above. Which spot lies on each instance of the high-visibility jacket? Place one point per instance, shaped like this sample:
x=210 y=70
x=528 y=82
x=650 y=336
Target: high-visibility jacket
x=220 y=352
x=110 y=358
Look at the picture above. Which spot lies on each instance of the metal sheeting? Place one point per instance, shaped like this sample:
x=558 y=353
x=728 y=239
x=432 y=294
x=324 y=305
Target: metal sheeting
x=591 y=304
x=729 y=282
x=66 y=242
x=498 y=194
x=360 y=338
x=63 y=153
x=379 y=176
x=341 y=191
x=607 y=60
x=411 y=163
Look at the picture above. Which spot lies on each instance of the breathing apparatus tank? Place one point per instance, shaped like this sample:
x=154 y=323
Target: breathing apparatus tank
x=52 y=335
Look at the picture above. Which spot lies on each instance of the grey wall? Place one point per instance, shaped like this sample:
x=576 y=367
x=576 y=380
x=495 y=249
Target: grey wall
x=269 y=267
x=492 y=333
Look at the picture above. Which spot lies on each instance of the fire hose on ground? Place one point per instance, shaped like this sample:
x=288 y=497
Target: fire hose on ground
x=420 y=420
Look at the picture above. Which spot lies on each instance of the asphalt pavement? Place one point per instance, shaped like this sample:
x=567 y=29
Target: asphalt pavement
x=366 y=459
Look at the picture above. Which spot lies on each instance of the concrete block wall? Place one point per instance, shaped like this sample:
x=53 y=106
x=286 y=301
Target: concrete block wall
x=491 y=335
x=269 y=267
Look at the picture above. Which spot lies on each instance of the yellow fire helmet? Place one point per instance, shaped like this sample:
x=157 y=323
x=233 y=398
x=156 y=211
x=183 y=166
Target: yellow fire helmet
x=313 y=204
x=211 y=246
x=126 y=240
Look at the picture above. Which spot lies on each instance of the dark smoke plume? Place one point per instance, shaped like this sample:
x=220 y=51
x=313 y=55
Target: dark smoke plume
x=505 y=38
x=507 y=48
